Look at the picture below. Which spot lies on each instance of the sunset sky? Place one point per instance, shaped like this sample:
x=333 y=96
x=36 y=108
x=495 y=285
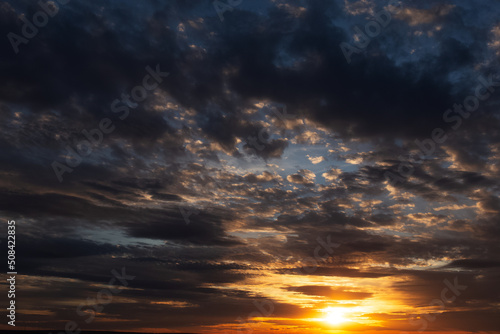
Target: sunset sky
x=253 y=166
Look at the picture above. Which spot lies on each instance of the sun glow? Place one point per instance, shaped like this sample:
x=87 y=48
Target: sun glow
x=335 y=315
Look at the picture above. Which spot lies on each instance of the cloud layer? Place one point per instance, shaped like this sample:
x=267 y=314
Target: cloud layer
x=214 y=189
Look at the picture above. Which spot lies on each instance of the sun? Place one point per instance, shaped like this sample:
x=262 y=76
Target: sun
x=334 y=315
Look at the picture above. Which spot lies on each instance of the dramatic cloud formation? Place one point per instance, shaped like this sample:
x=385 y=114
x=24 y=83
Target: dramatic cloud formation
x=245 y=172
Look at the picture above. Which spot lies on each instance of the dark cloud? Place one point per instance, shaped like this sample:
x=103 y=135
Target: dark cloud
x=325 y=291
x=205 y=190
x=474 y=264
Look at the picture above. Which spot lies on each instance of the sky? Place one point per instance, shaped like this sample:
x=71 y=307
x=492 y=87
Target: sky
x=266 y=166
